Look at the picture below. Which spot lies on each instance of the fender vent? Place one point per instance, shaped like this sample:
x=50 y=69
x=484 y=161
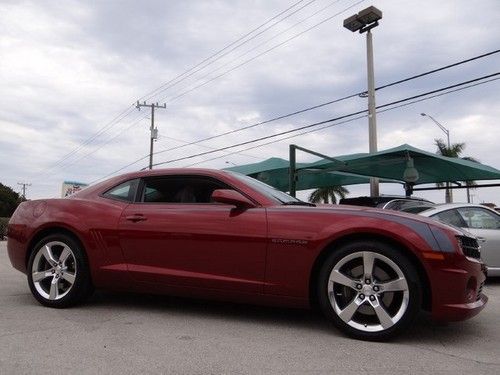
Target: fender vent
x=470 y=247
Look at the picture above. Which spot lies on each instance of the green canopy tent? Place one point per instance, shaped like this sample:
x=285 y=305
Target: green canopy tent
x=275 y=172
x=404 y=164
x=392 y=163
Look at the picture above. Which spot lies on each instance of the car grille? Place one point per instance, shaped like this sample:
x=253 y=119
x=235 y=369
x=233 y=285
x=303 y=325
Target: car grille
x=470 y=247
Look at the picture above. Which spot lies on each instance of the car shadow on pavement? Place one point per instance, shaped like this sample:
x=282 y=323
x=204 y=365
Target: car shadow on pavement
x=423 y=329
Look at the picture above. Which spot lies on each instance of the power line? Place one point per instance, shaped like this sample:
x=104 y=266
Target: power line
x=261 y=54
x=417 y=97
x=328 y=103
x=326 y=121
x=300 y=111
x=207 y=147
x=346 y=121
x=139 y=119
x=248 y=51
x=440 y=69
x=226 y=50
x=128 y=111
x=101 y=131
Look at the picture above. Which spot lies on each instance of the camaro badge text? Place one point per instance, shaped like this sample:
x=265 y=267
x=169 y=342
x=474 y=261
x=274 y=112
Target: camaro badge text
x=289 y=241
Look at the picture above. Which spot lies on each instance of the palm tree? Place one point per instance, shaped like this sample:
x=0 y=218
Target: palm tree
x=454 y=151
x=327 y=194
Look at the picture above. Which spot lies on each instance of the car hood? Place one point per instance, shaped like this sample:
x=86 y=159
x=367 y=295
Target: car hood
x=377 y=213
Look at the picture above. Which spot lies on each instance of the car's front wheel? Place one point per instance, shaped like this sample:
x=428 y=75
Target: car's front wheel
x=58 y=273
x=370 y=290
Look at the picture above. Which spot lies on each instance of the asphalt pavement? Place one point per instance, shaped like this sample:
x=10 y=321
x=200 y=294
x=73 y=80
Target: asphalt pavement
x=141 y=334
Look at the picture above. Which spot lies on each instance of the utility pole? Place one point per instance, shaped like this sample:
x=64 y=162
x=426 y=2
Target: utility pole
x=24 y=184
x=154 y=131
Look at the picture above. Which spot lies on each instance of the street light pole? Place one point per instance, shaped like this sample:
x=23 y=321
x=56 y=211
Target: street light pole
x=446 y=131
x=448 y=195
x=364 y=21
x=372 y=112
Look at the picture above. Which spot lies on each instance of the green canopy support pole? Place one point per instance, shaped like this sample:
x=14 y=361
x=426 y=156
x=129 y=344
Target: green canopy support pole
x=293 y=176
x=293 y=171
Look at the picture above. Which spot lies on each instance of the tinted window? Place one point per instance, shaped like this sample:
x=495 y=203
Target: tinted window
x=479 y=218
x=451 y=217
x=180 y=189
x=123 y=192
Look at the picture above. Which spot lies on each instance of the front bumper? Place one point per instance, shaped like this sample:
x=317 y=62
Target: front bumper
x=457 y=289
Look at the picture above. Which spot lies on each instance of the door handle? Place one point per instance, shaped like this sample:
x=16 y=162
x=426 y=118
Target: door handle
x=136 y=217
x=481 y=239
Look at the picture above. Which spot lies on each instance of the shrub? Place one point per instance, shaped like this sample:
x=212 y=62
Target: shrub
x=3 y=227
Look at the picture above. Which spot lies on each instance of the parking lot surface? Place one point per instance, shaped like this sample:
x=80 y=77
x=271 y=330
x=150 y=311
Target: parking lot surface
x=131 y=334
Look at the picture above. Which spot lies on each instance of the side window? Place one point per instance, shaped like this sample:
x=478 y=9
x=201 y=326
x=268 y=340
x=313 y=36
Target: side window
x=479 y=218
x=180 y=189
x=123 y=192
x=451 y=217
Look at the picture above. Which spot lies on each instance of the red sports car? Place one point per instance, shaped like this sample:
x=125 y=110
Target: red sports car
x=219 y=234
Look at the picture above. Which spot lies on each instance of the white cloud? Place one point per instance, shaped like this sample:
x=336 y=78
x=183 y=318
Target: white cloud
x=68 y=69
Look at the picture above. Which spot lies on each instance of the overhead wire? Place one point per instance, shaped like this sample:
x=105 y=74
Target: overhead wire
x=129 y=110
x=102 y=130
x=325 y=121
x=260 y=54
x=316 y=124
x=304 y=110
x=346 y=121
x=250 y=50
x=204 y=146
x=225 y=51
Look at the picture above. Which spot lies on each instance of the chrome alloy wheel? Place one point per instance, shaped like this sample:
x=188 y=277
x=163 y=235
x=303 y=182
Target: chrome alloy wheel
x=54 y=270
x=368 y=291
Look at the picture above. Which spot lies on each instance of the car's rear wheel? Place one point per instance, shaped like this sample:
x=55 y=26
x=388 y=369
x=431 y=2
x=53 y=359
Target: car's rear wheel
x=58 y=272
x=370 y=290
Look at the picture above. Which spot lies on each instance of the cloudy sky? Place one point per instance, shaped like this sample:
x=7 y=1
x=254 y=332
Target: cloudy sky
x=71 y=71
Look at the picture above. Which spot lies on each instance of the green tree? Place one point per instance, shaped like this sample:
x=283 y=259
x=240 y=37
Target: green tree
x=9 y=200
x=454 y=151
x=328 y=194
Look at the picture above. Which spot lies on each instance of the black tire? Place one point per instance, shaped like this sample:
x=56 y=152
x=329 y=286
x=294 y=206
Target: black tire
x=364 y=296
x=63 y=285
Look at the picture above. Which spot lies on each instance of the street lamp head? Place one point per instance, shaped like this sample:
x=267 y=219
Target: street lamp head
x=352 y=23
x=370 y=15
x=363 y=21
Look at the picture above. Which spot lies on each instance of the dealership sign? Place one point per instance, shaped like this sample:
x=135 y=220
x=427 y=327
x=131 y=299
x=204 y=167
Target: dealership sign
x=71 y=187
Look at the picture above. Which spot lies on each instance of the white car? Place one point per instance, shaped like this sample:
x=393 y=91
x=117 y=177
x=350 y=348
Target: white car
x=482 y=222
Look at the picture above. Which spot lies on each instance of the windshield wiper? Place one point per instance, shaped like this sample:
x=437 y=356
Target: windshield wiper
x=298 y=203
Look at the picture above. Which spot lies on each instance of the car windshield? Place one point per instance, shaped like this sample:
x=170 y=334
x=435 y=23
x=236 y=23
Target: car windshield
x=267 y=190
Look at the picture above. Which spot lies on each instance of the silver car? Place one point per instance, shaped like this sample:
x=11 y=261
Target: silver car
x=481 y=221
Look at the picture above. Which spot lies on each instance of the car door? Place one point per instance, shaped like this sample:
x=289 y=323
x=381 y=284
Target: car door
x=175 y=235
x=485 y=225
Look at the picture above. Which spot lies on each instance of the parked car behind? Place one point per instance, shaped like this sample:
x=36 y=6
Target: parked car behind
x=390 y=202
x=479 y=220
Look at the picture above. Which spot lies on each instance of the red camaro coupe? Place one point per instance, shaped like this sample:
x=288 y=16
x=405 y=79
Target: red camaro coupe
x=219 y=234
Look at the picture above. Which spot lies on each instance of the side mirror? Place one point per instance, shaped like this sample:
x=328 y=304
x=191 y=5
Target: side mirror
x=233 y=197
